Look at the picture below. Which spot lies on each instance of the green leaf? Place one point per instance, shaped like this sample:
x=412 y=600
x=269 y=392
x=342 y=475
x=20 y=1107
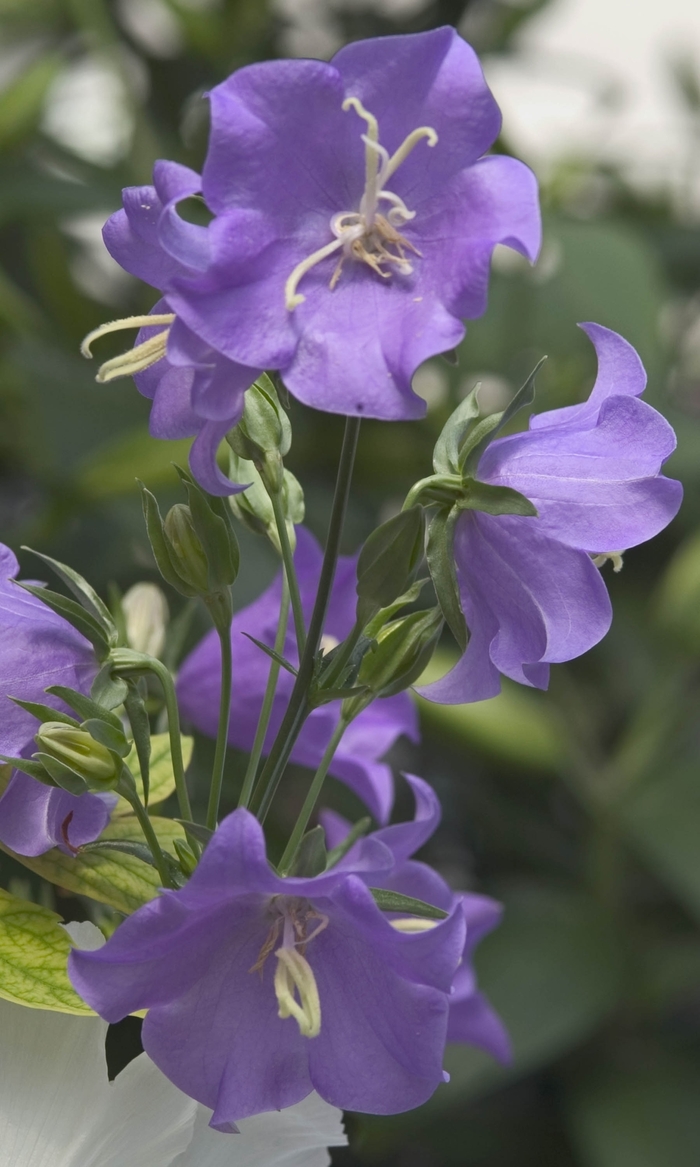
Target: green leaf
x=443 y=571
x=30 y=767
x=34 y=951
x=276 y=656
x=215 y=533
x=162 y=777
x=121 y=881
x=62 y=775
x=107 y=735
x=45 y=712
x=197 y=830
x=123 y=846
x=495 y=500
x=83 y=592
x=141 y=728
x=311 y=857
x=388 y=561
x=74 y=613
x=393 y=901
x=446 y=458
x=85 y=707
x=159 y=545
x=108 y=690
x=483 y=434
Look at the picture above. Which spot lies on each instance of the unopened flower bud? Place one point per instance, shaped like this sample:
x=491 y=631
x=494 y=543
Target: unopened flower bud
x=264 y=434
x=146 y=614
x=402 y=652
x=186 y=551
x=77 y=749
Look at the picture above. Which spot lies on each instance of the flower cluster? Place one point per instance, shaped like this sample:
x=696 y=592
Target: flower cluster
x=347 y=213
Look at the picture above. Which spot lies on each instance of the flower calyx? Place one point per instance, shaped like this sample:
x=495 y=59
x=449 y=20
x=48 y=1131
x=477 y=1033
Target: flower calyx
x=368 y=235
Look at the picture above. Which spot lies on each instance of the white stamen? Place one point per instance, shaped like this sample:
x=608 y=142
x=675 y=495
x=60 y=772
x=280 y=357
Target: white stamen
x=365 y=234
x=294 y=973
x=615 y=558
x=135 y=360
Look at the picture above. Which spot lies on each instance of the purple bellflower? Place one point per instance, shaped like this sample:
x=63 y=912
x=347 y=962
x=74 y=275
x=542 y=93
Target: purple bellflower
x=196 y=392
x=368 y=737
x=530 y=587
x=260 y=989
x=472 y=1020
x=37 y=649
x=355 y=218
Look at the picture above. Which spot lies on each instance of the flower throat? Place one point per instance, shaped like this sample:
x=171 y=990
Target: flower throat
x=368 y=234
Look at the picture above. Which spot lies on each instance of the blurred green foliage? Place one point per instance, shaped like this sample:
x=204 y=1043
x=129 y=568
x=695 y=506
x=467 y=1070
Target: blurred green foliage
x=580 y=808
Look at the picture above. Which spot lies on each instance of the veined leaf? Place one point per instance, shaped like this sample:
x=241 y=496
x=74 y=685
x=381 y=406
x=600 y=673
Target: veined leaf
x=162 y=778
x=34 y=952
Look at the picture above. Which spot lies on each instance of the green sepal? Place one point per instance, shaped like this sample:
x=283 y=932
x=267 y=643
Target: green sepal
x=325 y=696
x=212 y=524
x=400 y=654
x=107 y=690
x=275 y=656
x=495 y=500
x=393 y=901
x=83 y=592
x=388 y=562
x=32 y=768
x=45 y=712
x=61 y=774
x=159 y=544
x=403 y=601
x=141 y=729
x=75 y=614
x=115 y=740
x=187 y=860
x=311 y=858
x=484 y=433
x=264 y=433
x=85 y=707
x=443 y=572
x=198 y=831
x=357 y=832
x=446 y=455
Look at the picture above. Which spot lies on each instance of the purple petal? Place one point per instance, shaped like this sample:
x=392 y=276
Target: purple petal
x=473 y=1021
x=34 y=818
x=404 y=839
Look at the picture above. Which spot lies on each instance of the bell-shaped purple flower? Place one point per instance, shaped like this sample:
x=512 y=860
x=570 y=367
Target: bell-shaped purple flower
x=37 y=649
x=260 y=989
x=530 y=589
x=472 y=1020
x=368 y=737
x=355 y=218
x=195 y=390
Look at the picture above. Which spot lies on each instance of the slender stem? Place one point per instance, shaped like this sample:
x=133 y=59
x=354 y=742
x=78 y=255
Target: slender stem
x=217 y=776
x=289 y=570
x=311 y=799
x=147 y=828
x=298 y=709
x=165 y=677
x=268 y=700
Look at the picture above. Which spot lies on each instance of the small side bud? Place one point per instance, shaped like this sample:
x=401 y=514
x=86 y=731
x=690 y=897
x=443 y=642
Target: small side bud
x=403 y=649
x=98 y=767
x=253 y=507
x=186 y=551
x=264 y=434
x=146 y=616
x=388 y=562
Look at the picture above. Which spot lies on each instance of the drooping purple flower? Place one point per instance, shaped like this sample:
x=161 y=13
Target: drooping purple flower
x=195 y=390
x=260 y=989
x=530 y=589
x=355 y=218
x=37 y=649
x=367 y=739
x=472 y=1020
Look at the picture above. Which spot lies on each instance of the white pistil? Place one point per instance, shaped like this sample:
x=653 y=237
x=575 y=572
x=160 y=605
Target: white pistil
x=137 y=359
x=365 y=234
x=412 y=924
x=294 y=975
x=615 y=558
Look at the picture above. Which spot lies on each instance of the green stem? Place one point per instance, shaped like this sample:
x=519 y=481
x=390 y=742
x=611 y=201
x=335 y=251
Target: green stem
x=289 y=569
x=342 y=657
x=147 y=828
x=268 y=700
x=217 y=776
x=165 y=677
x=297 y=710
x=311 y=798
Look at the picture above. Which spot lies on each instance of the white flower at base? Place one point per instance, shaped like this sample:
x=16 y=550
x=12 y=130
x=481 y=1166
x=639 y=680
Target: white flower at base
x=58 y=1109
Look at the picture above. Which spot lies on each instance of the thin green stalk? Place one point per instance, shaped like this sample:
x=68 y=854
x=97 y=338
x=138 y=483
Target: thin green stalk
x=289 y=570
x=268 y=700
x=217 y=776
x=149 y=834
x=165 y=677
x=298 y=710
x=311 y=798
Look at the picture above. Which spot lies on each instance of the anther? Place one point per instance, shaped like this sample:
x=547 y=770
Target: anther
x=413 y=924
x=615 y=558
x=294 y=975
x=137 y=359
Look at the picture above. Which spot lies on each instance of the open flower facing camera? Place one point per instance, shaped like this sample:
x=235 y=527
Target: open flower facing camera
x=292 y=963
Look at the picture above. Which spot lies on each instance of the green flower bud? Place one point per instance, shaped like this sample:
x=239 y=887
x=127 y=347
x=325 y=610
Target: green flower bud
x=388 y=562
x=76 y=749
x=264 y=434
x=253 y=507
x=185 y=547
x=403 y=649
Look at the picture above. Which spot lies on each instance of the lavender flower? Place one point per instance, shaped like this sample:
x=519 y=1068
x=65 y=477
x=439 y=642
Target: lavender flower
x=530 y=588
x=194 y=389
x=260 y=989
x=39 y=649
x=472 y=1020
x=355 y=217
x=367 y=739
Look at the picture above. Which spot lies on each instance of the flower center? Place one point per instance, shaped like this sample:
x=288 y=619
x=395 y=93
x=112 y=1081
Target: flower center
x=368 y=235
x=135 y=360
x=295 y=984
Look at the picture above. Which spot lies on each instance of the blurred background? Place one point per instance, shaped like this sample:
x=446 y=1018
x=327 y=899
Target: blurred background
x=579 y=807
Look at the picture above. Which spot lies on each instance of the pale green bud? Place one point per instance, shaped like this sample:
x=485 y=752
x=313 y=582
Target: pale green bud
x=146 y=616
x=77 y=749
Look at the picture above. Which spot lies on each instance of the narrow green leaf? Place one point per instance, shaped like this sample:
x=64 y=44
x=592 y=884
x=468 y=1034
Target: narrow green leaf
x=27 y=766
x=34 y=951
x=480 y=437
x=197 y=830
x=107 y=735
x=74 y=613
x=393 y=901
x=162 y=778
x=84 y=593
x=62 y=775
x=159 y=546
x=443 y=572
x=124 y=846
x=272 y=654
x=495 y=500
x=84 y=706
x=45 y=712
x=141 y=728
x=447 y=447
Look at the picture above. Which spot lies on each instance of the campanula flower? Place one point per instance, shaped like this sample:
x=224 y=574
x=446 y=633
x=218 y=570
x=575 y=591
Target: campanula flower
x=368 y=737
x=261 y=988
x=530 y=587
x=39 y=648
